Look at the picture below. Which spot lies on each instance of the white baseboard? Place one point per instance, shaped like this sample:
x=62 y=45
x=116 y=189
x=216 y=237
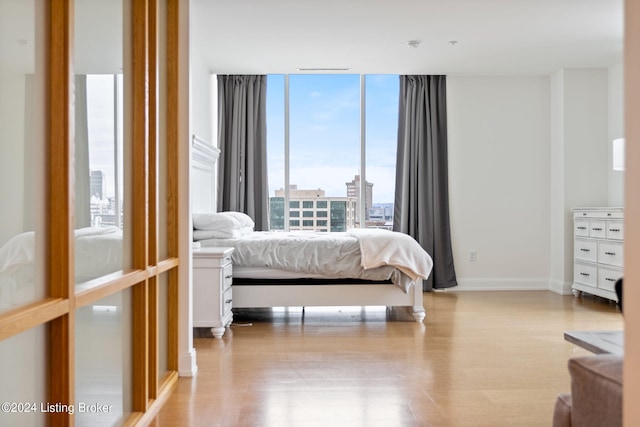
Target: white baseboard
x=187 y=366
x=501 y=284
x=560 y=287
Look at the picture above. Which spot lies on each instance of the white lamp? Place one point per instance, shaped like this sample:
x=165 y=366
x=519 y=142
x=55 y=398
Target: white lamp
x=618 y=154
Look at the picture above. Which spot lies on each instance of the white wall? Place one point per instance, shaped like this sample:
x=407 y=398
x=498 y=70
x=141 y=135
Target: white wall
x=499 y=179
x=579 y=160
x=585 y=137
x=560 y=246
x=200 y=97
x=522 y=152
x=616 y=130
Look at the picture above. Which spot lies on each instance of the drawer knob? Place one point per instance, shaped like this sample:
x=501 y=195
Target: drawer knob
x=584 y=274
x=610 y=253
x=228 y=301
x=228 y=276
x=609 y=279
x=582 y=228
x=597 y=229
x=615 y=230
x=585 y=250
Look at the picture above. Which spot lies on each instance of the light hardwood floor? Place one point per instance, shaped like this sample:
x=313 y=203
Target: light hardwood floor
x=479 y=359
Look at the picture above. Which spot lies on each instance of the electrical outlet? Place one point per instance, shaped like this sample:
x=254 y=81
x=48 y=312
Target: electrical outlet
x=473 y=255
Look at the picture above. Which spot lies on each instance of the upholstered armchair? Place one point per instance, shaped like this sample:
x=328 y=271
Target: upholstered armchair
x=596 y=393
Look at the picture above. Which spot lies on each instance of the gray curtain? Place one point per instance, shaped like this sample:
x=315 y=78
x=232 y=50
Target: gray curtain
x=81 y=155
x=422 y=200
x=242 y=135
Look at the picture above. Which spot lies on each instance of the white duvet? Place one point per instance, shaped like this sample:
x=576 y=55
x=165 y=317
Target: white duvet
x=360 y=254
x=98 y=251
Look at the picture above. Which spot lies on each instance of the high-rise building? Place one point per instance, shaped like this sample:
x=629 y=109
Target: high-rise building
x=310 y=210
x=97 y=185
x=353 y=190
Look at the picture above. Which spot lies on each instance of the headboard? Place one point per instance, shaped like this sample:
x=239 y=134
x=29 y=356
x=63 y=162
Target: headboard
x=203 y=175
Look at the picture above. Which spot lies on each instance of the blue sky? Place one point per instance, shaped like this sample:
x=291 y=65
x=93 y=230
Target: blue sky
x=325 y=132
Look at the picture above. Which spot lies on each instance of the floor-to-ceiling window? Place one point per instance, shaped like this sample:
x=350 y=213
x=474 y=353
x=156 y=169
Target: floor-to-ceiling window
x=331 y=144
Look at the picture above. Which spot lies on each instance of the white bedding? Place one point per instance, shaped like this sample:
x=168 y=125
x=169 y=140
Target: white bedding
x=98 y=251
x=359 y=254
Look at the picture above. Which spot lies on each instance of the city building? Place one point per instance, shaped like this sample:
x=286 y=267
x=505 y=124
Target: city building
x=98 y=185
x=311 y=210
x=353 y=190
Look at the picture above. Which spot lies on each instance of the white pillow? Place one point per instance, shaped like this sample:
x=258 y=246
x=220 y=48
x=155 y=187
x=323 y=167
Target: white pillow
x=214 y=221
x=224 y=222
x=226 y=234
x=244 y=219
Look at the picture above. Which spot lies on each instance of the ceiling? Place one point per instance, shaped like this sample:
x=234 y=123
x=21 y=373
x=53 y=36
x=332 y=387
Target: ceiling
x=493 y=37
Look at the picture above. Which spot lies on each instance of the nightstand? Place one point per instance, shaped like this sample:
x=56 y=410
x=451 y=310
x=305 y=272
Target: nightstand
x=212 y=292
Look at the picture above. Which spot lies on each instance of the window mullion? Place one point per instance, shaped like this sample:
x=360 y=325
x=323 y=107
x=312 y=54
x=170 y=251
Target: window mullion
x=363 y=186
x=286 y=153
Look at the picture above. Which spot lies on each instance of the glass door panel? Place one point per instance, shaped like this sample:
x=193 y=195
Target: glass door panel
x=23 y=369
x=99 y=139
x=103 y=360
x=22 y=153
x=161 y=167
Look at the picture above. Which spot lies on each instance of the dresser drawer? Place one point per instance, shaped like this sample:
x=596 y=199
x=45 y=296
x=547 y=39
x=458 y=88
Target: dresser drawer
x=598 y=213
x=607 y=278
x=597 y=229
x=585 y=274
x=586 y=250
x=226 y=259
x=227 y=277
x=610 y=253
x=615 y=230
x=227 y=302
x=581 y=227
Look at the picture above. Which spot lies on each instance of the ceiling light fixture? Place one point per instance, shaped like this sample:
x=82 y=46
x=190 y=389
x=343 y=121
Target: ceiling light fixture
x=453 y=42
x=413 y=44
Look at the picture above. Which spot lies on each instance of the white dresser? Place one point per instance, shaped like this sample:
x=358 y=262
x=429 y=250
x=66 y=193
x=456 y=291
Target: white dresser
x=212 y=290
x=598 y=250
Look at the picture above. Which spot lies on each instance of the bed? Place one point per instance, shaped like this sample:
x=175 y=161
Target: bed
x=359 y=267
x=98 y=252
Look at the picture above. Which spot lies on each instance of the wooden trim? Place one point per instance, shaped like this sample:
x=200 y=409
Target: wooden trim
x=153 y=199
x=21 y=319
x=62 y=367
x=167 y=264
x=154 y=335
x=153 y=132
x=60 y=119
x=140 y=346
x=140 y=201
x=60 y=267
x=172 y=320
x=172 y=131
x=173 y=170
x=140 y=128
x=169 y=383
x=110 y=284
